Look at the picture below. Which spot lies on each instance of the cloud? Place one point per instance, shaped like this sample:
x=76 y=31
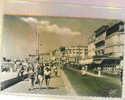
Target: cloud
x=53 y=28
x=29 y=19
x=48 y=27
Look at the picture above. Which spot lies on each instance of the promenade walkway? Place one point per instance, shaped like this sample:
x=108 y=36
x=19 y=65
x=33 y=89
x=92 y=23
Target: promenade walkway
x=57 y=87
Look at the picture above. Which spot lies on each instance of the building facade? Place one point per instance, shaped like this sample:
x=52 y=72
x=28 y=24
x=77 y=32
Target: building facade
x=114 y=42
x=100 y=35
x=75 y=54
x=109 y=44
x=91 y=46
x=106 y=47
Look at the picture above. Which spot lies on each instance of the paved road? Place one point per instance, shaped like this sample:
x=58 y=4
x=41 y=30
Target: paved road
x=89 y=85
x=57 y=87
x=114 y=80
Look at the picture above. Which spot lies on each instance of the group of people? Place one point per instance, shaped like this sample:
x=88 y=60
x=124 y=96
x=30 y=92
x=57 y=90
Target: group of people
x=38 y=73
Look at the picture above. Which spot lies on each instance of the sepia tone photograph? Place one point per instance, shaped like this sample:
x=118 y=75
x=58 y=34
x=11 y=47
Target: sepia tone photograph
x=68 y=56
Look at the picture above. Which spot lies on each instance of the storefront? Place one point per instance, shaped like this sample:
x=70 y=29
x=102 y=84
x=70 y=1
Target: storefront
x=109 y=65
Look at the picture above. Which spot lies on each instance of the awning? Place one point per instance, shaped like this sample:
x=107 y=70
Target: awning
x=111 y=61
x=107 y=61
x=98 y=61
x=86 y=61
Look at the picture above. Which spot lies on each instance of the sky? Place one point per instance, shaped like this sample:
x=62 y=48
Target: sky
x=19 y=33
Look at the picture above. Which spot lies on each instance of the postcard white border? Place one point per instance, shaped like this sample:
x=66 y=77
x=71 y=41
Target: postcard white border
x=99 y=12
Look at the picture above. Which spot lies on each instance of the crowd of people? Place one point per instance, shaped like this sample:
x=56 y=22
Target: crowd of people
x=38 y=73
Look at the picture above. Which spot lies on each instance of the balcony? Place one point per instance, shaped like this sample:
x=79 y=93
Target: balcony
x=115 y=50
x=100 y=38
x=99 y=44
x=115 y=40
x=101 y=30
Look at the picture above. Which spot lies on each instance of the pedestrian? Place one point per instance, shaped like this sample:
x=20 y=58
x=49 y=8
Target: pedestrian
x=121 y=71
x=28 y=67
x=55 y=70
x=15 y=66
x=121 y=76
x=47 y=74
x=41 y=75
x=21 y=71
x=36 y=73
x=83 y=71
x=31 y=76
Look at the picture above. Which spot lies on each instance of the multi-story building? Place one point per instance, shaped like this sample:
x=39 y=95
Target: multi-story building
x=91 y=46
x=100 y=35
x=109 y=45
x=115 y=40
x=45 y=57
x=58 y=56
x=90 y=51
x=76 y=53
x=96 y=46
x=105 y=46
x=114 y=46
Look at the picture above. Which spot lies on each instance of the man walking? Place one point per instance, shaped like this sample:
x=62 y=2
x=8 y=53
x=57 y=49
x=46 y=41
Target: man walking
x=31 y=77
x=21 y=71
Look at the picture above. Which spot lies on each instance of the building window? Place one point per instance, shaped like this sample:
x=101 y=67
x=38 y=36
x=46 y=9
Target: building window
x=102 y=51
x=101 y=43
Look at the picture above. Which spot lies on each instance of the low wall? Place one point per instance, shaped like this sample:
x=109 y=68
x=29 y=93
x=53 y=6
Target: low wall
x=10 y=82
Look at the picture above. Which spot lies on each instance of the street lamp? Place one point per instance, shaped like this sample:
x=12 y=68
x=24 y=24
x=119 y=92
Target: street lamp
x=37 y=45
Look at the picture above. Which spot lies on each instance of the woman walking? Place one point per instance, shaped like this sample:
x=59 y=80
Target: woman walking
x=47 y=74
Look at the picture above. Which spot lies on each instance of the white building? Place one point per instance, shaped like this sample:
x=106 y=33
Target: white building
x=76 y=53
x=114 y=43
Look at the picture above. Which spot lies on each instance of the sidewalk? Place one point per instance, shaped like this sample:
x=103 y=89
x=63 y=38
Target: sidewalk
x=57 y=87
x=92 y=74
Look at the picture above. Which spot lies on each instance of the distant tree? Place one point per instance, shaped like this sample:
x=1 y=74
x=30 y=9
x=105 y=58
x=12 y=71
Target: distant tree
x=62 y=48
x=53 y=52
x=4 y=58
x=8 y=60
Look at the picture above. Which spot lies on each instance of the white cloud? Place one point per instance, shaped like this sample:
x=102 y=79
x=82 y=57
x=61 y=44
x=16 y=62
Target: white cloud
x=29 y=19
x=52 y=28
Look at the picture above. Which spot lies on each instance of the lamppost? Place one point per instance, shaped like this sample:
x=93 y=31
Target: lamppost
x=38 y=48
x=37 y=45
